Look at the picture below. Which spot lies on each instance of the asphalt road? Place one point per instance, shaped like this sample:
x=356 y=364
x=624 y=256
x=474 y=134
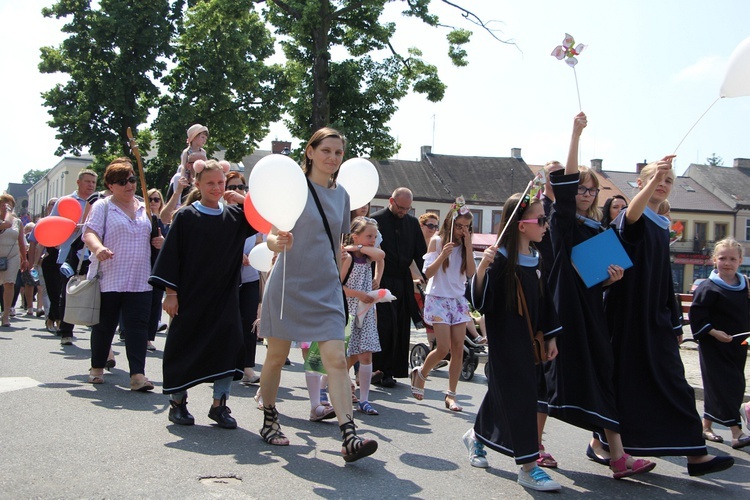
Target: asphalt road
x=63 y=438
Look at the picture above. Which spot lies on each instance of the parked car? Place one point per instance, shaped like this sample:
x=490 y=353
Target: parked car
x=696 y=283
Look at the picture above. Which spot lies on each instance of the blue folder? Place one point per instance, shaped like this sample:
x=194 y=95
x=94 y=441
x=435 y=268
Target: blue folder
x=592 y=257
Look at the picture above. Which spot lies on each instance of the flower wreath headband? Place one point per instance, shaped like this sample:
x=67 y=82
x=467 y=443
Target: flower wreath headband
x=199 y=165
x=458 y=208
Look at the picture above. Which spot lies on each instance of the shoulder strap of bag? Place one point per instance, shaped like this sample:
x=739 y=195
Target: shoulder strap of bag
x=322 y=216
x=104 y=230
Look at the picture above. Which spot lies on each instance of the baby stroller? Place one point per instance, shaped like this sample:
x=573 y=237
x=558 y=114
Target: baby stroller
x=471 y=355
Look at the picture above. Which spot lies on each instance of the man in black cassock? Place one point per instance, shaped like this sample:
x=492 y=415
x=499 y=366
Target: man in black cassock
x=402 y=242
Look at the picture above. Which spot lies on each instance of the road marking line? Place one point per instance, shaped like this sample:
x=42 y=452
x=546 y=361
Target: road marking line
x=8 y=384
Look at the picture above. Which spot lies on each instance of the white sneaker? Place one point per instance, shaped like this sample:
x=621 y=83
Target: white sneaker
x=477 y=455
x=12 y=311
x=537 y=479
x=30 y=311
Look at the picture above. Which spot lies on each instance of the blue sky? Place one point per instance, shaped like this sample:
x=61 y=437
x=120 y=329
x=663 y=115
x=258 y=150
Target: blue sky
x=650 y=69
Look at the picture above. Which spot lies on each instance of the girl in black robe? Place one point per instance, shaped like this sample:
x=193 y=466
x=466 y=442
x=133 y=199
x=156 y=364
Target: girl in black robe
x=506 y=421
x=199 y=266
x=655 y=403
x=720 y=309
x=583 y=391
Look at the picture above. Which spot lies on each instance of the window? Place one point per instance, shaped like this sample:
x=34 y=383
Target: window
x=747 y=229
x=477 y=223
x=700 y=238
x=496 y=216
x=375 y=208
x=433 y=211
x=720 y=231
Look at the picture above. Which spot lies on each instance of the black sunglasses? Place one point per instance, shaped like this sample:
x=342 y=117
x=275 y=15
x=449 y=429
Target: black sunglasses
x=155 y=200
x=541 y=220
x=434 y=227
x=132 y=180
x=238 y=187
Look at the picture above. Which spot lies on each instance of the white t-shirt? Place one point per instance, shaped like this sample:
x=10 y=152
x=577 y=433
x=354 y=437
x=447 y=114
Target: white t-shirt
x=450 y=282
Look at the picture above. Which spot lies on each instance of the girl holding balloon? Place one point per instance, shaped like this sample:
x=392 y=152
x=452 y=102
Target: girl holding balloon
x=205 y=337
x=299 y=305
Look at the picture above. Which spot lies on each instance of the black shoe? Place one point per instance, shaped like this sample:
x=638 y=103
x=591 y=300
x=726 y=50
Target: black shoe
x=716 y=464
x=179 y=414
x=287 y=362
x=221 y=415
x=596 y=458
x=162 y=327
x=388 y=381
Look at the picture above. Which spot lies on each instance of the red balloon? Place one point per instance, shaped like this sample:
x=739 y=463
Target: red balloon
x=69 y=208
x=254 y=218
x=54 y=230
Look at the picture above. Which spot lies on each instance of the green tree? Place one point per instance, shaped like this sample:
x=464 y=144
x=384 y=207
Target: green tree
x=715 y=161
x=33 y=176
x=113 y=56
x=358 y=94
x=221 y=80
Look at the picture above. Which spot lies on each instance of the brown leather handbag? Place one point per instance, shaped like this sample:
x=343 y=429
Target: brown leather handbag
x=537 y=339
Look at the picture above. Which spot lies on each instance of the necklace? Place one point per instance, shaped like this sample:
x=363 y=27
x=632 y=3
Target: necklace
x=127 y=208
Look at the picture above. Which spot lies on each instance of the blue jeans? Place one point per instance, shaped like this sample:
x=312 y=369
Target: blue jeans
x=135 y=308
x=221 y=389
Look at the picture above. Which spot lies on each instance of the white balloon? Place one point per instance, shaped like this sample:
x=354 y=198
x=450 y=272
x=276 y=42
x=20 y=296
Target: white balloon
x=737 y=78
x=279 y=190
x=360 y=179
x=261 y=257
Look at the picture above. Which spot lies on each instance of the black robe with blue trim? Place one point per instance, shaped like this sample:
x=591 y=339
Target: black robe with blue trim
x=655 y=404
x=506 y=420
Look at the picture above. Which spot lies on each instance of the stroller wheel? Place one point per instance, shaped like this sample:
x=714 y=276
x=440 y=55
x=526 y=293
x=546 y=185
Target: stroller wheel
x=418 y=354
x=468 y=368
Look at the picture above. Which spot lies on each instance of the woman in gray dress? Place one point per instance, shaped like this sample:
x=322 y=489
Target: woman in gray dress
x=313 y=304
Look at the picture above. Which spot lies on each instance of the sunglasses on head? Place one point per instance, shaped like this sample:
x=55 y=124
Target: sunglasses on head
x=132 y=180
x=155 y=200
x=238 y=187
x=434 y=227
x=541 y=220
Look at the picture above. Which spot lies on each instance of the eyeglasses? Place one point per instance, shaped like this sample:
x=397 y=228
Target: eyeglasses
x=132 y=180
x=237 y=187
x=460 y=226
x=405 y=209
x=583 y=190
x=541 y=220
x=434 y=227
x=155 y=200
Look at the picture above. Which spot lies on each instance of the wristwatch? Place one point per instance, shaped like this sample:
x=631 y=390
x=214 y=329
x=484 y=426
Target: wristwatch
x=359 y=247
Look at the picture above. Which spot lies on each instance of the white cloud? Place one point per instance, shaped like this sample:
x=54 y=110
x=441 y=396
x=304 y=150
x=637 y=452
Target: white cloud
x=705 y=68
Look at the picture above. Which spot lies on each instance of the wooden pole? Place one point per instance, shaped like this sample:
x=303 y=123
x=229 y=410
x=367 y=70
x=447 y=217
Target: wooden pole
x=142 y=175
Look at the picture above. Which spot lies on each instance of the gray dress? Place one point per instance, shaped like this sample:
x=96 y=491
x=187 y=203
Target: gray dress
x=313 y=297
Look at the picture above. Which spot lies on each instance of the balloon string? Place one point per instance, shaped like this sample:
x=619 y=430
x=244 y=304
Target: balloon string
x=518 y=205
x=580 y=108
x=696 y=123
x=283 y=285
